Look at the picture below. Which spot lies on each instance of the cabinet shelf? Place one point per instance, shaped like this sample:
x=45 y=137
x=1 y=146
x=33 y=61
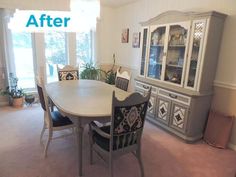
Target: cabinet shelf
x=176 y=66
x=158 y=45
x=180 y=45
x=193 y=68
x=196 y=46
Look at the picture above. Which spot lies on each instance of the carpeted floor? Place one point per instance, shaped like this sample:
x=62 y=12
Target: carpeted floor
x=163 y=154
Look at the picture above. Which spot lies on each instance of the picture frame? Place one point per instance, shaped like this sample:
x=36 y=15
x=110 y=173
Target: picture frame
x=136 y=40
x=125 y=35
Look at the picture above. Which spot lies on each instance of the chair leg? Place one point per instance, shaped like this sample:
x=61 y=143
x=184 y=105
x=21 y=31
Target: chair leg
x=74 y=131
x=90 y=145
x=42 y=132
x=48 y=142
x=138 y=155
x=110 y=166
x=51 y=105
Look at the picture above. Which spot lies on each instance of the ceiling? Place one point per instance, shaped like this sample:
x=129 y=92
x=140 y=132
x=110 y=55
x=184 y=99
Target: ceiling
x=116 y=3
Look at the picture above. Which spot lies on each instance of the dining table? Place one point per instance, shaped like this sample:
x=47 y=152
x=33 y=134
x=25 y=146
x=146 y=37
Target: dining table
x=83 y=101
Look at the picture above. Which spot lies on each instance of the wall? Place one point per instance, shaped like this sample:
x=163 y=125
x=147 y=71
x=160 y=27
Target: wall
x=105 y=34
x=130 y=15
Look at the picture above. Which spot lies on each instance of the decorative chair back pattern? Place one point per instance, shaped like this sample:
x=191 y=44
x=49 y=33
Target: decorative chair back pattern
x=68 y=73
x=128 y=118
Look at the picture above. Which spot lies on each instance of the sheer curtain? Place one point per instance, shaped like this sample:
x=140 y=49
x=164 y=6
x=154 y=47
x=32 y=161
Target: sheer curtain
x=89 y=12
x=18 y=53
x=7 y=40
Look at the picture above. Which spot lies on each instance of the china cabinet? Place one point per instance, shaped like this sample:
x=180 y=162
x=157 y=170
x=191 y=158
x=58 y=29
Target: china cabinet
x=178 y=60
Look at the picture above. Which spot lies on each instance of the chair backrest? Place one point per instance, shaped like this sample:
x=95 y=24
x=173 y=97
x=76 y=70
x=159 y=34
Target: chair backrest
x=128 y=118
x=43 y=100
x=122 y=80
x=68 y=73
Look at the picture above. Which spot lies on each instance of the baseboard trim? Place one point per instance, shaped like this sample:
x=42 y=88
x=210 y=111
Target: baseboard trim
x=232 y=146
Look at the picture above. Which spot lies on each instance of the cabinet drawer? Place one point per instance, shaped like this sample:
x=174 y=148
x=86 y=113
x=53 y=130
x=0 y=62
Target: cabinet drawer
x=143 y=86
x=175 y=96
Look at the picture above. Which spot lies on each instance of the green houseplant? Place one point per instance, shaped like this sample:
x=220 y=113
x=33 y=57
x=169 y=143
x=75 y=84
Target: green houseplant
x=14 y=93
x=91 y=72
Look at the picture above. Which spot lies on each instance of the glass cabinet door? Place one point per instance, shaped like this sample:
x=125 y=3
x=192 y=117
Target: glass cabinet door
x=195 y=50
x=144 y=49
x=156 y=53
x=176 y=53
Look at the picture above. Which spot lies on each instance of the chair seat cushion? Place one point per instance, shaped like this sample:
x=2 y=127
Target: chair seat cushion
x=104 y=143
x=58 y=120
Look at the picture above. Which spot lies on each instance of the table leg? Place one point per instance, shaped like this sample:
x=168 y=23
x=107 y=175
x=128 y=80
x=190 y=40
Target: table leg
x=80 y=146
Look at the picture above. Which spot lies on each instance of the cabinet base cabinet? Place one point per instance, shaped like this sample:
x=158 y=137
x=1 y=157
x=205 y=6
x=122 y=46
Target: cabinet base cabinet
x=182 y=115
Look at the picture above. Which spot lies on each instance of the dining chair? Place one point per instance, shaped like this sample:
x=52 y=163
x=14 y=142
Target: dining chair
x=68 y=72
x=122 y=80
x=53 y=120
x=124 y=133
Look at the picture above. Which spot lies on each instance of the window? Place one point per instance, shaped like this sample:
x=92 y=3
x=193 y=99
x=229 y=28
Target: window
x=56 y=53
x=84 y=48
x=23 y=60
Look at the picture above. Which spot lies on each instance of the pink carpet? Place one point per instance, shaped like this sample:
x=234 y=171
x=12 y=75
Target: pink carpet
x=163 y=154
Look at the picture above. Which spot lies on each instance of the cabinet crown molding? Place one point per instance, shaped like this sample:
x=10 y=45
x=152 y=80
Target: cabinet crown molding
x=168 y=15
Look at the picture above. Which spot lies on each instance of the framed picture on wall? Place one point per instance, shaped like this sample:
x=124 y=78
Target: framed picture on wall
x=125 y=35
x=136 y=40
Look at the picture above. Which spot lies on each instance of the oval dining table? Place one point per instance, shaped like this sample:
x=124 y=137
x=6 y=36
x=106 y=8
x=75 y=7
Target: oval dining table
x=83 y=101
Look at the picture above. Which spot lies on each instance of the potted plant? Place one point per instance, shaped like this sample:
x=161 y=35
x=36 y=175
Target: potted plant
x=91 y=72
x=15 y=94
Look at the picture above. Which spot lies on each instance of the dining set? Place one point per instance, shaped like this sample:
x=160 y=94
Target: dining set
x=115 y=116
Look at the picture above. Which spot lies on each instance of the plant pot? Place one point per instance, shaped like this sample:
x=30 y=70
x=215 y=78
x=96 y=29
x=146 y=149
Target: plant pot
x=17 y=102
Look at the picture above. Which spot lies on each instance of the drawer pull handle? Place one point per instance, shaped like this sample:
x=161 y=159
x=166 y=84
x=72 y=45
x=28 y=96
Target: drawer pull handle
x=146 y=87
x=173 y=96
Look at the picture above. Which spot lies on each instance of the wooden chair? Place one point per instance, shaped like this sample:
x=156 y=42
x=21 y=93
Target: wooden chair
x=68 y=73
x=124 y=134
x=122 y=80
x=53 y=120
